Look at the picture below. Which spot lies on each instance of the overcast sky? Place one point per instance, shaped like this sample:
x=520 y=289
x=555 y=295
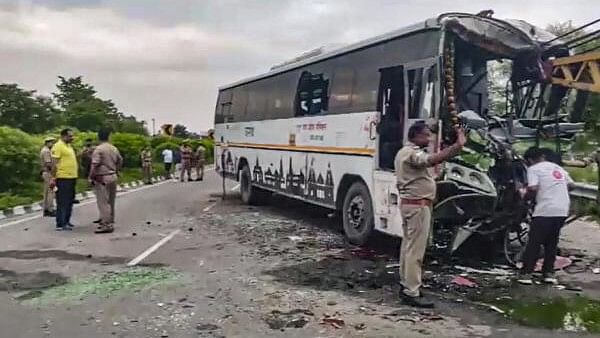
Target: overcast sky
x=164 y=59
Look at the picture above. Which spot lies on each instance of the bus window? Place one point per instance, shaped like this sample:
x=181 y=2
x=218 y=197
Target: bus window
x=238 y=103
x=415 y=81
x=257 y=101
x=223 y=112
x=341 y=90
x=429 y=106
x=311 y=94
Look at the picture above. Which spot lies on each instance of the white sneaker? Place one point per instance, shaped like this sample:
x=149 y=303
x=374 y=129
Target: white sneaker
x=525 y=279
x=550 y=279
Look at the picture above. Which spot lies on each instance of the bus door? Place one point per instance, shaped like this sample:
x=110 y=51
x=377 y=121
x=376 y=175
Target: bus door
x=407 y=94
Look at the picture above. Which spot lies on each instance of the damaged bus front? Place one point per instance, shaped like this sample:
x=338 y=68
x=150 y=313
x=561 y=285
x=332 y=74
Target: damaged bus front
x=479 y=192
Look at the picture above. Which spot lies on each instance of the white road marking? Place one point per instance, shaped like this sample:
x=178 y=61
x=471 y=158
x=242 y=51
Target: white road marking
x=144 y=187
x=31 y=218
x=209 y=207
x=153 y=248
x=235 y=188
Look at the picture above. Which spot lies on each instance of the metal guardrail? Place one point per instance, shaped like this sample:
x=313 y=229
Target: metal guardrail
x=584 y=190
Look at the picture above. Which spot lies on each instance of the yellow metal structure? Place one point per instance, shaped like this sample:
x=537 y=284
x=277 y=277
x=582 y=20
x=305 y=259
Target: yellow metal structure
x=578 y=71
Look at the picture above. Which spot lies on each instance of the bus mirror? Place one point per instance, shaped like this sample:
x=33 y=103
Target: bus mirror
x=472 y=120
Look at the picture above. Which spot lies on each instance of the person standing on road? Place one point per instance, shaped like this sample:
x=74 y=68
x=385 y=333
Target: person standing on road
x=64 y=178
x=200 y=157
x=177 y=162
x=86 y=157
x=146 y=158
x=106 y=163
x=417 y=190
x=167 y=155
x=186 y=161
x=549 y=183
x=46 y=164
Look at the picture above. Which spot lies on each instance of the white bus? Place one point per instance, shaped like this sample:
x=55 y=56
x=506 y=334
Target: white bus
x=325 y=128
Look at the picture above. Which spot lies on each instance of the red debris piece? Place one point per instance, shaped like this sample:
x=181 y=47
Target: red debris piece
x=559 y=264
x=462 y=281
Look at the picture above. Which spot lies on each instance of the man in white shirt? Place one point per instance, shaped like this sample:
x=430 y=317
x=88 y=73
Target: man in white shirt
x=167 y=155
x=549 y=183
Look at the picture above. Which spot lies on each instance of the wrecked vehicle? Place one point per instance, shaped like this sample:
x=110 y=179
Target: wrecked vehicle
x=324 y=127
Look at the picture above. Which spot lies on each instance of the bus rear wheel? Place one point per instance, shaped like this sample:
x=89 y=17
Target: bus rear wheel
x=250 y=194
x=357 y=214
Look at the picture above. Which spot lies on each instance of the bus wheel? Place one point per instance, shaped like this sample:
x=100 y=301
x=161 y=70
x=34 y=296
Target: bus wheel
x=250 y=194
x=357 y=214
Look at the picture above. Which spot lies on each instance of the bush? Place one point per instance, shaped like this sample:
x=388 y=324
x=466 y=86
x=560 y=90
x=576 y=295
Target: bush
x=19 y=163
x=130 y=146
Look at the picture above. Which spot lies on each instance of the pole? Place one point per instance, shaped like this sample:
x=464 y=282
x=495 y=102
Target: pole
x=223 y=171
x=153 y=127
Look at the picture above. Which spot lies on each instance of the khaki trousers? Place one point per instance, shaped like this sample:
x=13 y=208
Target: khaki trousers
x=106 y=193
x=48 y=202
x=416 y=226
x=147 y=173
x=200 y=169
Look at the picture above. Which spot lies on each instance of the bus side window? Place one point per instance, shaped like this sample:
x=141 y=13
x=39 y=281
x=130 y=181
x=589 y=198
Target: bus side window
x=415 y=82
x=429 y=99
x=311 y=94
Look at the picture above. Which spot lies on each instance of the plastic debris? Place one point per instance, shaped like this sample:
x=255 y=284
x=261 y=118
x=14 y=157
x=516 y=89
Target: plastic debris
x=295 y=238
x=462 y=281
x=494 y=271
x=394 y=265
x=334 y=322
x=596 y=270
x=497 y=309
x=559 y=264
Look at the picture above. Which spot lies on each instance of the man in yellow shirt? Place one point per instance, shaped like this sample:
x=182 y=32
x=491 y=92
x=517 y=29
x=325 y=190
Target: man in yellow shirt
x=64 y=177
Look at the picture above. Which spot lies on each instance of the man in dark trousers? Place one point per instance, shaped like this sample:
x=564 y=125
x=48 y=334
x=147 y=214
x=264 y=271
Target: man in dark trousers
x=64 y=177
x=549 y=184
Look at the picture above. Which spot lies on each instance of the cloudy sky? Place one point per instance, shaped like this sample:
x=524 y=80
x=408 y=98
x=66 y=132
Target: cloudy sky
x=164 y=59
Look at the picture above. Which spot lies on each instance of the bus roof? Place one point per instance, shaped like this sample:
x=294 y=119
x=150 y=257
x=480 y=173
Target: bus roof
x=424 y=25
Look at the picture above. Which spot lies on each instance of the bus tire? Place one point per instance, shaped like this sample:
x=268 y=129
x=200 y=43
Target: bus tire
x=357 y=214
x=251 y=194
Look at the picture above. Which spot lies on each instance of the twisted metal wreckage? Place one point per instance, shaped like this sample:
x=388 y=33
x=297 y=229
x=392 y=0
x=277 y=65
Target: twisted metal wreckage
x=545 y=79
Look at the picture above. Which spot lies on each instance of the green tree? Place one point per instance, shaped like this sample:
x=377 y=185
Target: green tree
x=20 y=108
x=180 y=131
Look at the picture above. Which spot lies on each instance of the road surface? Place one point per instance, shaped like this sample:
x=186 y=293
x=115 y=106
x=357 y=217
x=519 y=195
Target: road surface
x=185 y=263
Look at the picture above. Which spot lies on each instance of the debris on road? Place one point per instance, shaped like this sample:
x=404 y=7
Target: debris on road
x=559 y=264
x=493 y=271
x=333 y=322
x=278 y=320
x=596 y=270
x=462 y=281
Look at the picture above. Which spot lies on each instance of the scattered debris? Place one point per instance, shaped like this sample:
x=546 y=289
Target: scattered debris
x=394 y=265
x=559 y=264
x=277 y=320
x=497 y=309
x=334 y=322
x=190 y=229
x=493 y=271
x=134 y=234
x=295 y=238
x=360 y=326
x=207 y=327
x=462 y=281
x=148 y=222
x=596 y=270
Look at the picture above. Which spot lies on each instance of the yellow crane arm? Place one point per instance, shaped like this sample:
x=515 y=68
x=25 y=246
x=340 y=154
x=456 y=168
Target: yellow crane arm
x=578 y=71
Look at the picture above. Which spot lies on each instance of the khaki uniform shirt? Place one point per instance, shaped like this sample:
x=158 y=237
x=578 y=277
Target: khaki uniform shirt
x=46 y=159
x=107 y=158
x=413 y=173
x=146 y=158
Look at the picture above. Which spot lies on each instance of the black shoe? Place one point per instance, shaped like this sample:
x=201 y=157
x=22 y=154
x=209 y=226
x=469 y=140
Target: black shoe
x=70 y=226
x=49 y=213
x=97 y=221
x=75 y=201
x=421 y=302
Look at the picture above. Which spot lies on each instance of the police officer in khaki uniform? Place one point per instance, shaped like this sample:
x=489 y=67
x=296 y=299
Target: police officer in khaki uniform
x=417 y=190
x=200 y=157
x=186 y=161
x=106 y=163
x=146 y=158
x=46 y=165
